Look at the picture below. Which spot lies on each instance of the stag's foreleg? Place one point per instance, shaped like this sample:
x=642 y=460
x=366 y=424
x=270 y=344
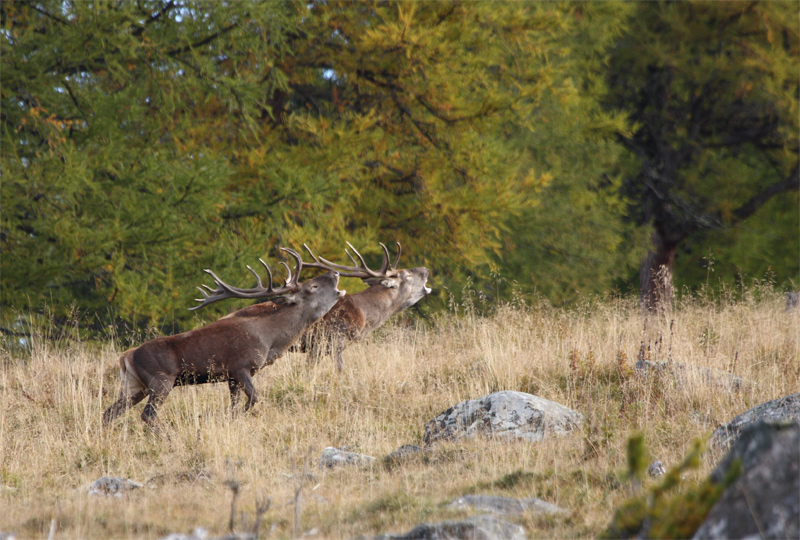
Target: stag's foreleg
x=242 y=380
x=236 y=391
x=337 y=347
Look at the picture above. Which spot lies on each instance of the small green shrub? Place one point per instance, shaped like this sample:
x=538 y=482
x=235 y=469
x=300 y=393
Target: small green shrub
x=657 y=513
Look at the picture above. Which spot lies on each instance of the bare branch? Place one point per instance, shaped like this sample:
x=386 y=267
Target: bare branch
x=790 y=184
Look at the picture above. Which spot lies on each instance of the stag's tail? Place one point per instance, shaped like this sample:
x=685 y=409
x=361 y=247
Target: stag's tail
x=131 y=383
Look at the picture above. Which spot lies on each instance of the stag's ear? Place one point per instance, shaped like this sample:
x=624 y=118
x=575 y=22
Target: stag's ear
x=287 y=300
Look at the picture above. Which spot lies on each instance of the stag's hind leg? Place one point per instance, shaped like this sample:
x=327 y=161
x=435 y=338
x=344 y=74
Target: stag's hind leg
x=159 y=390
x=127 y=399
x=132 y=392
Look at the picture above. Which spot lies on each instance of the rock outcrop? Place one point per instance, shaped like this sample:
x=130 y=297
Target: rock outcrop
x=764 y=502
x=505 y=505
x=781 y=409
x=506 y=414
x=474 y=528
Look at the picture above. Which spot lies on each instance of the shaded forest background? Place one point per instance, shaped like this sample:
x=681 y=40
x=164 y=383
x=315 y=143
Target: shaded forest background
x=558 y=149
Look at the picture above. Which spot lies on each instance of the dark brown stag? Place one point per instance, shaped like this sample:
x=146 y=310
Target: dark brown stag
x=356 y=315
x=231 y=349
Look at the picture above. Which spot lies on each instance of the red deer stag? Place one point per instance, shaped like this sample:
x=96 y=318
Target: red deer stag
x=231 y=349
x=356 y=315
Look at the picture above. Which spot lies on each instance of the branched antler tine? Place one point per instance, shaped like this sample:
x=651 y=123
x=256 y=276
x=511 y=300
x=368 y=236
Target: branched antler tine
x=325 y=264
x=298 y=268
x=311 y=253
x=317 y=263
x=363 y=266
x=386 y=259
x=221 y=285
x=397 y=258
x=269 y=273
x=351 y=258
x=288 y=279
x=258 y=278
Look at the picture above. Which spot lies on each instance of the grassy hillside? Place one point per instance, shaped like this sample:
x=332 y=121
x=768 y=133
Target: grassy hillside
x=53 y=396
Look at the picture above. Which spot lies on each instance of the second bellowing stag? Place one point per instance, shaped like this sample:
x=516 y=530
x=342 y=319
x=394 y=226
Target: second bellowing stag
x=356 y=315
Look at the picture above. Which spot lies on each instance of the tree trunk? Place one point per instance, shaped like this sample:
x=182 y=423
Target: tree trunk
x=655 y=274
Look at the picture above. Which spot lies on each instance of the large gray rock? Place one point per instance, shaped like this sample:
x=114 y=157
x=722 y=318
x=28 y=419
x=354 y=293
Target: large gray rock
x=785 y=408
x=474 y=528
x=111 y=486
x=764 y=502
x=506 y=414
x=505 y=505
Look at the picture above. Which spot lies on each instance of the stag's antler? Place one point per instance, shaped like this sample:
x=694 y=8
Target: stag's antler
x=357 y=270
x=224 y=290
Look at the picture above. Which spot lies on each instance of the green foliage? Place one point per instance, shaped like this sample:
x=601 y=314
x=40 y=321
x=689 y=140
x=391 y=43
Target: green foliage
x=765 y=246
x=104 y=204
x=146 y=141
x=659 y=512
x=712 y=91
x=637 y=457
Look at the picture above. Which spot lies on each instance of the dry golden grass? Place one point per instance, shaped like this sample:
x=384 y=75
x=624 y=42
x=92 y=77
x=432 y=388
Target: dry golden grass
x=52 y=445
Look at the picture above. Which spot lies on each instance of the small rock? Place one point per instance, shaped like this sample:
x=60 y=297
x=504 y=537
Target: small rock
x=190 y=476
x=7 y=536
x=202 y=534
x=404 y=453
x=656 y=469
x=505 y=505
x=334 y=457
x=307 y=477
x=686 y=375
x=198 y=534
x=111 y=486
x=793 y=301
x=785 y=408
x=506 y=414
x=475 y=528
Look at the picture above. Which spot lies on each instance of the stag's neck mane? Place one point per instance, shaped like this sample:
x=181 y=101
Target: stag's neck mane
x=377 y=303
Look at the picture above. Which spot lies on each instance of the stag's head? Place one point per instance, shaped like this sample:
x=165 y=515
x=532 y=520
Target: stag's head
x=408 y=286
x=317 y=295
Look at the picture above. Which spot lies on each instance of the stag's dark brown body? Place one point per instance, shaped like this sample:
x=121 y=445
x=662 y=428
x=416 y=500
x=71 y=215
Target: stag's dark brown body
x=231 y=349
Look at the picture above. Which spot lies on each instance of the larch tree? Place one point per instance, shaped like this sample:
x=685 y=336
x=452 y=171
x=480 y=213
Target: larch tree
x=144 y=141
x=712 y=91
